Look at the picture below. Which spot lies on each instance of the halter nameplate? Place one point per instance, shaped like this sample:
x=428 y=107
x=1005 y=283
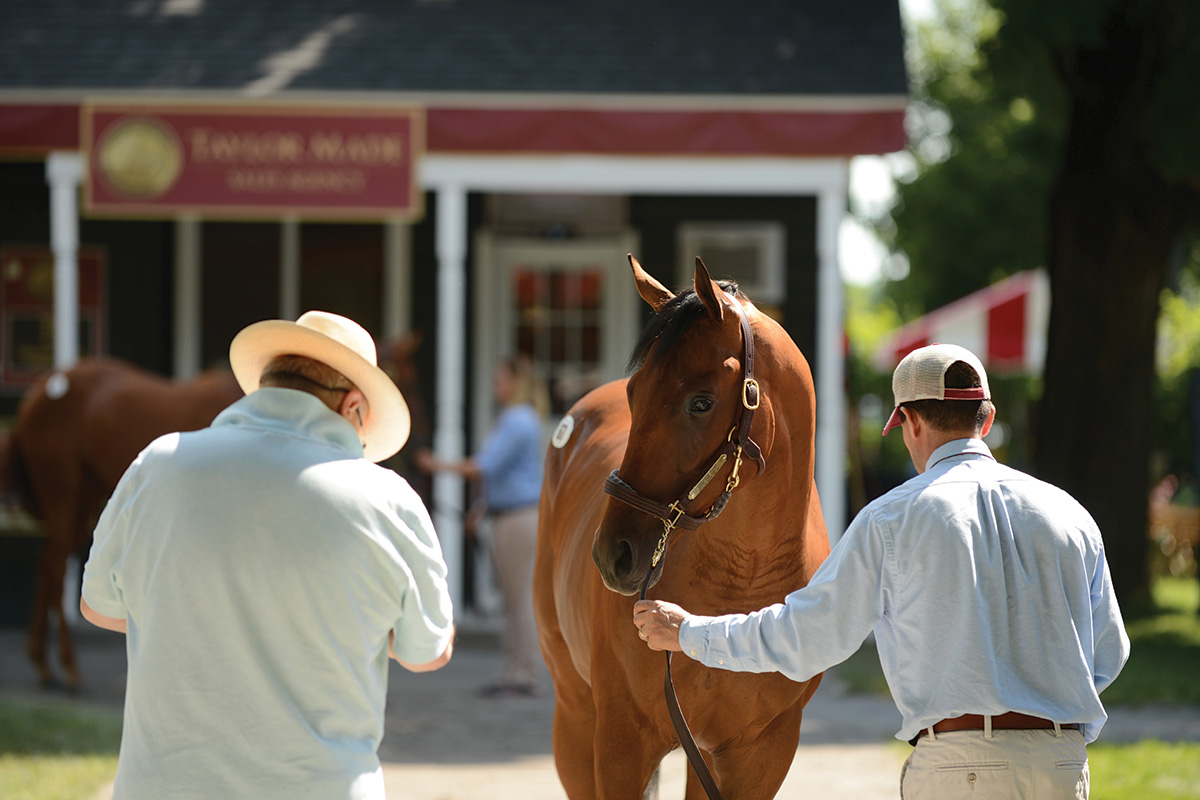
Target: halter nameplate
x=708 y=476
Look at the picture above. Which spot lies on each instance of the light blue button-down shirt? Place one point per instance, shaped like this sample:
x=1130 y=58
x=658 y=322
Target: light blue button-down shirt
x=987 y=589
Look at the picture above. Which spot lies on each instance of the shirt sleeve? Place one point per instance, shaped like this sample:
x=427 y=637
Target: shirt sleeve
x=426 y=623
x=101 y=574
x=815 y=627
x=1111 y=642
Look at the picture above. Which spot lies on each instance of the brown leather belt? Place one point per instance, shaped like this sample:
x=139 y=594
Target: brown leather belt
x=1011 y=720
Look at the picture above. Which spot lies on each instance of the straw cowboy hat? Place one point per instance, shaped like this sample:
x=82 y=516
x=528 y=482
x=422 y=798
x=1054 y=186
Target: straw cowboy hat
x=343 y=345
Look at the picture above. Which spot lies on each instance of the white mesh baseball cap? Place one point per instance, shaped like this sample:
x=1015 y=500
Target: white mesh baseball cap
x=921 y=375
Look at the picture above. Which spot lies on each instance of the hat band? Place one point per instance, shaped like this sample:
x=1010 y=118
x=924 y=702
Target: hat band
x=974 y=393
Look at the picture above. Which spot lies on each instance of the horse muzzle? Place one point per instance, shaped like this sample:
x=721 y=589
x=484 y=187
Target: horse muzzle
x=624 y=561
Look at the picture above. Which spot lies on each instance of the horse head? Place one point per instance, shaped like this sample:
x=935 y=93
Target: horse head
x=691 y=400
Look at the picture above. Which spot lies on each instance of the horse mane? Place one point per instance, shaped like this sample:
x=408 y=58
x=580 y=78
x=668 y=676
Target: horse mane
x=667 y=326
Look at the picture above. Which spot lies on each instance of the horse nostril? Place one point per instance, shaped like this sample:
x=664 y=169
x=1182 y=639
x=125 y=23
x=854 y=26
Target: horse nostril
x=623 y=563
x=615 y=557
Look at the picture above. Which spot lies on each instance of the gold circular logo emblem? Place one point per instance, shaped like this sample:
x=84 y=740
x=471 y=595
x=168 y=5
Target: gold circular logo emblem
x=140 y=157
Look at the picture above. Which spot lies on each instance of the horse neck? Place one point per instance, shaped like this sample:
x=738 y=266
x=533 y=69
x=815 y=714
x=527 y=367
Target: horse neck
x=761 y=546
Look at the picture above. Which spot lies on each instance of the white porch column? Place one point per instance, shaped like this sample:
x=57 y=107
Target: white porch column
x=448 y=441
x=187 y=296
x=289 y=268
x=831 y=361
x=64 y=173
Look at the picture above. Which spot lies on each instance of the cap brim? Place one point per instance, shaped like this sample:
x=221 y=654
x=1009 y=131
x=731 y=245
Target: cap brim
x=894 y=421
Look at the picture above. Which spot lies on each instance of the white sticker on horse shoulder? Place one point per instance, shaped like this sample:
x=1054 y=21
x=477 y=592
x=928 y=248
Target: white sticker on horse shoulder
x=562 y=434
x=57 y=385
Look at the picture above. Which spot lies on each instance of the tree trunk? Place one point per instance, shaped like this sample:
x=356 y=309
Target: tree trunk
x=1096 y=415
x=1113 y=224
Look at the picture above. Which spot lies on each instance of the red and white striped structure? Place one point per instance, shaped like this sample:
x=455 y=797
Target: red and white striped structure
x=1004 y=324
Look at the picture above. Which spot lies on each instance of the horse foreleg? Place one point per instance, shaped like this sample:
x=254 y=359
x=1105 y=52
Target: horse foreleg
x=574 y=735
x=693 y=789
x=627 y=757
x=755 y=768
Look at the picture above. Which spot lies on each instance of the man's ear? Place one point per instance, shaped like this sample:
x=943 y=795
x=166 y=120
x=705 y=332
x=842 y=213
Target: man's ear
x=915 y=423
x=987 y=424
x=354 y=408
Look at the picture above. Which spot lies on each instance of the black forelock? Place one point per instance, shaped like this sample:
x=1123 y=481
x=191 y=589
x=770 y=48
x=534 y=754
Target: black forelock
x=667 y=326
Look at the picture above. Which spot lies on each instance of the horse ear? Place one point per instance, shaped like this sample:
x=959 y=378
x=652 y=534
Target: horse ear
x=715 y=299
x=651 y=290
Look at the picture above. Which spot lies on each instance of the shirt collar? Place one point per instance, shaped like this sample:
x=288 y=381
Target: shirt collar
x=958 y=447
x=294 y=412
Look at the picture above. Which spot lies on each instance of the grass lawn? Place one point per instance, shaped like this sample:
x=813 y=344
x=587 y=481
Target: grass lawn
x=1146 y=770
x=51 y=751
x=1162 y=669
x=1165 y=658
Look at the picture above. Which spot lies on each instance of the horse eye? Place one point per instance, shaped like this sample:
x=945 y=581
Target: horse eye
x=701 y=405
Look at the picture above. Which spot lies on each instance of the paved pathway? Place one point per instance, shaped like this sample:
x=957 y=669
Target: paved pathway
x=443 y=743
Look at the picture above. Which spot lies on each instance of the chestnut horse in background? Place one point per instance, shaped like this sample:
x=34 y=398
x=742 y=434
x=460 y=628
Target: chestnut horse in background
x=662 y=430
x=75 y=433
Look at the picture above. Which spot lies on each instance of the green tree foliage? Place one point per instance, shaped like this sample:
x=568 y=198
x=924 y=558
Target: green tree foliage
x=984 y=153
x=1066 y=139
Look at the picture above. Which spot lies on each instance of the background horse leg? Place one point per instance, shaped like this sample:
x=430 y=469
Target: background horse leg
x=47 y=596
x=59 y=511
x=78 y=535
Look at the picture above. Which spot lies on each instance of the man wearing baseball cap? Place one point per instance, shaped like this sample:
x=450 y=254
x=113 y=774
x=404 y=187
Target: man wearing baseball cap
x=988 y=592
x=263 y=569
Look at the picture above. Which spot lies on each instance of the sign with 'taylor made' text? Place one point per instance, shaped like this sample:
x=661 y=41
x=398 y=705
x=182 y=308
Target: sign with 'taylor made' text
x=262 y=161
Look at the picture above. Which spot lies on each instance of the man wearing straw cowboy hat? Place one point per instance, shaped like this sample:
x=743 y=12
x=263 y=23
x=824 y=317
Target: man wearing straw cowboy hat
x=988 y=592
x=263 y=570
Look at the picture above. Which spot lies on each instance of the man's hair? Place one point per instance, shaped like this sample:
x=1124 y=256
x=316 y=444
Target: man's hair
x=305 y=374
x=955 y=415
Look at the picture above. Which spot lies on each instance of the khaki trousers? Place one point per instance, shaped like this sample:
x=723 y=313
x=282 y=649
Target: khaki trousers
x=514 y=542
x=1008 y=764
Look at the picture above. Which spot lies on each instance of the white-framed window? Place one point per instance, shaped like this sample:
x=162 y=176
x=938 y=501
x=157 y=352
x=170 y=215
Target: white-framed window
x=751 y=253
x=569 y=305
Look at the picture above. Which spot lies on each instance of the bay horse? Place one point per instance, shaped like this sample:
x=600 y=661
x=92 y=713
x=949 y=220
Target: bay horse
x=77 y=431
x=659 y=433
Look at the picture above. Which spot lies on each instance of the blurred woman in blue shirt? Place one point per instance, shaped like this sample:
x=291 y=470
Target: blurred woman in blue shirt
x=509 y=465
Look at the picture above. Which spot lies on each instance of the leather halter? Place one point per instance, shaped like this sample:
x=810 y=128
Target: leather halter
x=673 y=515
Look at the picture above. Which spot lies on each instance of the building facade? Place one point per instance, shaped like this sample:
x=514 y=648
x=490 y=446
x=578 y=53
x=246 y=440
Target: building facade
x=172 y=170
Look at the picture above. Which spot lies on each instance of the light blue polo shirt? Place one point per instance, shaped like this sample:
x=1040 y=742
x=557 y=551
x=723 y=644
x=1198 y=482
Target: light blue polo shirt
x=987 y=589
x=260 y=565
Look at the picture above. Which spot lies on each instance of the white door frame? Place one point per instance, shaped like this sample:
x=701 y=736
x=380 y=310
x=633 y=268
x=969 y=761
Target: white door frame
x=497 y=254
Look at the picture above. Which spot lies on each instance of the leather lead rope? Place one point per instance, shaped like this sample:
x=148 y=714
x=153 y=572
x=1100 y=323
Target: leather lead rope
x=686 y=740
